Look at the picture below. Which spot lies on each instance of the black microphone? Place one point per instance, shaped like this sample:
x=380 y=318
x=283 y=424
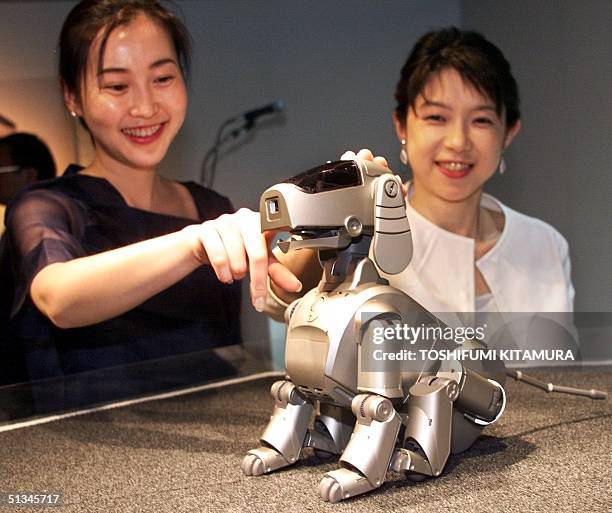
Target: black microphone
x=252 y=115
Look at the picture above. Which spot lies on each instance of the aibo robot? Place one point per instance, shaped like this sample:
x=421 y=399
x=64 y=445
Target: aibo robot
x=353 y=213
x=348 y=210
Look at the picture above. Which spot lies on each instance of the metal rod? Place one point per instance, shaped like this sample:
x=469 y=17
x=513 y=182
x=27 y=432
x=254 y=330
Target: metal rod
x=550 y=387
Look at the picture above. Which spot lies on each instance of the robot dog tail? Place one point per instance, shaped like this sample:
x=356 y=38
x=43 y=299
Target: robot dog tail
x=550 y=387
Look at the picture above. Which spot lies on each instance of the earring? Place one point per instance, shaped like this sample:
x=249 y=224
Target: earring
x=74 y=114
x=403 y=154
x=502 y=166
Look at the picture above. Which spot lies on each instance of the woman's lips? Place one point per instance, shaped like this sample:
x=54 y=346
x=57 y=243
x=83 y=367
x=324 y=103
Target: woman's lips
x=144 y=134
x=454 y=169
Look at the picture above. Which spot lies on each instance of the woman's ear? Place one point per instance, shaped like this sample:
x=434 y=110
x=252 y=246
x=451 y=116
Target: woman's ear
x=400 y=127
x=71 y=101
x=511 y=133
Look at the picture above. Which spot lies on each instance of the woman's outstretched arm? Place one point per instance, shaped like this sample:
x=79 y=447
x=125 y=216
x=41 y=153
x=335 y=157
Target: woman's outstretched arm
x=94 y=288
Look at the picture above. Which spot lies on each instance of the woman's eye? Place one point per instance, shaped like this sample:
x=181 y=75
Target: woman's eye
x=484 y=121
x=116 y=88
x=435 y=118
x=164 y=79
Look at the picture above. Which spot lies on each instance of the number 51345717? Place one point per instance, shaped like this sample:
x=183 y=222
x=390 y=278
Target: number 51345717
x=31 y=499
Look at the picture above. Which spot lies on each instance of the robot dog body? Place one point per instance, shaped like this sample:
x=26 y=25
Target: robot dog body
x=377 y=420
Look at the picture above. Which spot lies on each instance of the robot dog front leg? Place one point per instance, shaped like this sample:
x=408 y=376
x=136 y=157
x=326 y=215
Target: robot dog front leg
x=366 y=457
x=284 y=435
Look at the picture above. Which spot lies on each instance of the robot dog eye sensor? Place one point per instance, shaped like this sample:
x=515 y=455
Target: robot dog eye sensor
x=353 y=213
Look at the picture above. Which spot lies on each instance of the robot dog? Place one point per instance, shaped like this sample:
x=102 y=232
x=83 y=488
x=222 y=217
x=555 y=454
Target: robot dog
x=389 y=418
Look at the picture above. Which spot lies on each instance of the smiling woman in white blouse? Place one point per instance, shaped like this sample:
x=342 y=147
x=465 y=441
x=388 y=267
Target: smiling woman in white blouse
x=457 y=112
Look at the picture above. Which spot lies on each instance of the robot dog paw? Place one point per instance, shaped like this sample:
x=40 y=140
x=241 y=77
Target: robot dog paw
x=341 y=484
x=330 y=490
x=261 y=461
x=252 y=465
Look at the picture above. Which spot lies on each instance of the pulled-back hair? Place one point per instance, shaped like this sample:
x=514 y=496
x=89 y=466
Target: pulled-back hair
x=476 y=59
x=89 y=17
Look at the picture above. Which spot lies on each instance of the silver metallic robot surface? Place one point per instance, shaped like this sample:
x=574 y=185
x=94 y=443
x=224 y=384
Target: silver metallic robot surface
x=376 y=418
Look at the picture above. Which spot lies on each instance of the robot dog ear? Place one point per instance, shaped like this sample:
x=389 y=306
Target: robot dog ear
x=392 y=238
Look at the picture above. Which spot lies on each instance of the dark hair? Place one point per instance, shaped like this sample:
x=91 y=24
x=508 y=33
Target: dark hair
x=27 y=150
x=475 y=58
x=89 y=17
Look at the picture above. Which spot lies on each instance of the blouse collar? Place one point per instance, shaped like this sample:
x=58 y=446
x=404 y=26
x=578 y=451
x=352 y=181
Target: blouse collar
x=443 y=261
x=431 y=231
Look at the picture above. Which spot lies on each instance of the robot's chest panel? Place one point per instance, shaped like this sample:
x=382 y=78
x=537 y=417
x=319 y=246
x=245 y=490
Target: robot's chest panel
x=326 y=309
x=322 y=343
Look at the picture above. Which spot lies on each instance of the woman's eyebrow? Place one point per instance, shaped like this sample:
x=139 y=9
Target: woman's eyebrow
x=156 y=64
x=161 y=62
x=112 y=70
x=486 y=106
x=432 y=103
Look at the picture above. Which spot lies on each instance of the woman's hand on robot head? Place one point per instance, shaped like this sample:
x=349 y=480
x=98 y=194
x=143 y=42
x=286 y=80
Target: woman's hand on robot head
x=234 y=245
x=364 y=154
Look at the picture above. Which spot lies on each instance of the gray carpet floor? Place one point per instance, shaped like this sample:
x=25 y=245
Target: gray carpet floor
x=548 y=453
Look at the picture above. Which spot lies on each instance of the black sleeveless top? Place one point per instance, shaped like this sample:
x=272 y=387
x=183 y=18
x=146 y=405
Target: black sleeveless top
x=78 y=215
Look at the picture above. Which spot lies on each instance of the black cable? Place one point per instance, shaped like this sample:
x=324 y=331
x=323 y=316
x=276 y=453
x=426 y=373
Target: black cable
x=207 y=176
x=209 y=163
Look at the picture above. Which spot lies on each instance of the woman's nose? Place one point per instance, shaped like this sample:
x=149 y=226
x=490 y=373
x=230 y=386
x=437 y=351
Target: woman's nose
x=458 y=137
x=144 y=104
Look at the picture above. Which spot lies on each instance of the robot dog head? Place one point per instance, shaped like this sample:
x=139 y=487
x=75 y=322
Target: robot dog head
x=331 y=205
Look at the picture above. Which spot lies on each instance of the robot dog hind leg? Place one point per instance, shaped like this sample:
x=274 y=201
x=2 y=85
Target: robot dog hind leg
x=284 y=435
x=444 y=415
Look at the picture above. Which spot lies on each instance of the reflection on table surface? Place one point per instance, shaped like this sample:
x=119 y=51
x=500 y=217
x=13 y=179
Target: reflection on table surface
x=87 y=389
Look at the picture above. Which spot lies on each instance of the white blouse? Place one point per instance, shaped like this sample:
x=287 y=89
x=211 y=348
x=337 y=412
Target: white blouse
x=527 y=270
